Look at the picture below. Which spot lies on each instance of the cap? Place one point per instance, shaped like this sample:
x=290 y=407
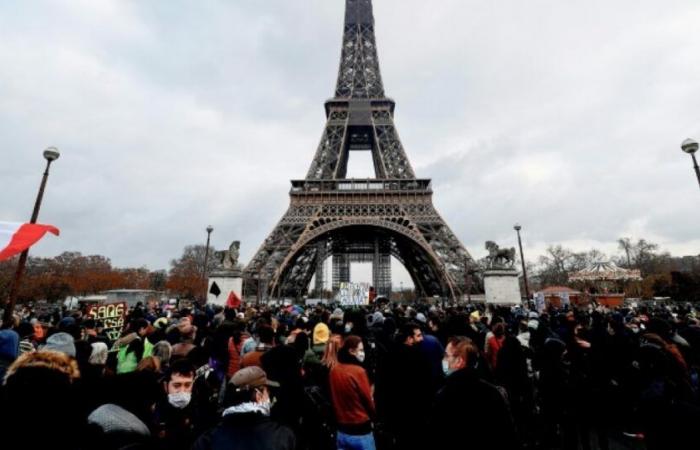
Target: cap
x=251 y=377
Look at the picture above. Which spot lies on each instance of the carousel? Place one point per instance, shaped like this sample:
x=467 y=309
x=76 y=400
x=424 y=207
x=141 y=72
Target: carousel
x=604 y=282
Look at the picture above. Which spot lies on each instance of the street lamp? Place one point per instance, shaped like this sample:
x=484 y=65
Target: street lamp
x=517 y=229
x=690 y=146
x=206 y=257
x=51 y=154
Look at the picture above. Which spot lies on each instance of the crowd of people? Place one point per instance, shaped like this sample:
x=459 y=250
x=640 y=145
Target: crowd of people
x=383 y=376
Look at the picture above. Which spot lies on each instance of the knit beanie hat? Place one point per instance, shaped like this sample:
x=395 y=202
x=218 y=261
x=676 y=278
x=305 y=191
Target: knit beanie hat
x=337 y=314
x=112 y=419
x=321 y=333
x=61 y=342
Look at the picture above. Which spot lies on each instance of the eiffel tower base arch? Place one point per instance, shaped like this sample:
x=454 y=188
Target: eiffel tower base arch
x=360 y=240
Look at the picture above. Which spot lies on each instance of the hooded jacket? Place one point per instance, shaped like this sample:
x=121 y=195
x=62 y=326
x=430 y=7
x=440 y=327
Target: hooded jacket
x=9 y=350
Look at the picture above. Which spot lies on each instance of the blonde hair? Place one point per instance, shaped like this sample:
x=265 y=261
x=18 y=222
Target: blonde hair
x=330 y=354
x=45 y=359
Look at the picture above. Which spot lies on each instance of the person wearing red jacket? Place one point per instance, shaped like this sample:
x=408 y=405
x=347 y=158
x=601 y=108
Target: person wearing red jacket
x=351 y=396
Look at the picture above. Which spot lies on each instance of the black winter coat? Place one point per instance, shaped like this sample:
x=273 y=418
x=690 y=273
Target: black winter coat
x=249 y=431
x=467 y=402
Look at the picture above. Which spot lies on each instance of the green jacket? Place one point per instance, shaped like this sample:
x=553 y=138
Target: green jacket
x=126 y=362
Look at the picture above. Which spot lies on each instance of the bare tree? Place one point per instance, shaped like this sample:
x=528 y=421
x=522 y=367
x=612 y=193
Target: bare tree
x=625 y=244
x=555 y=265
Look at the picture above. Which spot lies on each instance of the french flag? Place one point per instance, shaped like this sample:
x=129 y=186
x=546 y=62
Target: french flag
x=16 y=237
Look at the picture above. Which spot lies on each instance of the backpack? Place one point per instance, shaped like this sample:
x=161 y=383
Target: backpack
x=318 y=419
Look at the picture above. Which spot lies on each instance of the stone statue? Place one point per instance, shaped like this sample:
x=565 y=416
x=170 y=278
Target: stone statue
x=500 y=258
x=229 y=258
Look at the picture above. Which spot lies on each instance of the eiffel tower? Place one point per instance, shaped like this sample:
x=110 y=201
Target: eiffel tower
x=359 y=220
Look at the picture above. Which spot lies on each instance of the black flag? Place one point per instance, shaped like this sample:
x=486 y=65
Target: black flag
x=215 y=289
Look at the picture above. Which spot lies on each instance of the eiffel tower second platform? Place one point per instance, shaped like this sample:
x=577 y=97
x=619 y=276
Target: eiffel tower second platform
x=351 y=220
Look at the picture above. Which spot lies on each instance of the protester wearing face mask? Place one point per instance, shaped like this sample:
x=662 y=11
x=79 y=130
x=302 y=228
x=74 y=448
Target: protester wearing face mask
x=246 y=422
x=176 y=415
x=351 y=396
x=464 y=387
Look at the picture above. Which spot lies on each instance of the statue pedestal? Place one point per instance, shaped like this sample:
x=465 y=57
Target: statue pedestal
x=227 y=281
x=502 y=287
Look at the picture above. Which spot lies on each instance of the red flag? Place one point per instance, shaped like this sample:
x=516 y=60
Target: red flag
x=17 y=237
x=233 y=300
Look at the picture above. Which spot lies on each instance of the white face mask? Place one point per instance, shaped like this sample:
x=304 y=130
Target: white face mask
x=348 y=327
x=360 y=356
x=446 y=367
x=180 y=400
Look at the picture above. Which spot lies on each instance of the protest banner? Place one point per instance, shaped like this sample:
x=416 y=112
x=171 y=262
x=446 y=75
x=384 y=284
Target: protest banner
x=353 y=294
x=539 y=302
x=112 y=315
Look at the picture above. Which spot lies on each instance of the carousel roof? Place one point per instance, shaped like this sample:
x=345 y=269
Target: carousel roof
x=604 y=271
x=556 y=290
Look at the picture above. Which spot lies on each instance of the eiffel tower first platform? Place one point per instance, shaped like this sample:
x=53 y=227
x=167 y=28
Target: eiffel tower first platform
x=351 y=220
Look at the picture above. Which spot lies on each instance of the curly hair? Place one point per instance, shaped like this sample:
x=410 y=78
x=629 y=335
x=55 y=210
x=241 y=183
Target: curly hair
x=45 y=359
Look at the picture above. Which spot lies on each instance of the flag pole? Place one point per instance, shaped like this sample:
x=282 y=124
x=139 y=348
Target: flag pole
x=51 y=154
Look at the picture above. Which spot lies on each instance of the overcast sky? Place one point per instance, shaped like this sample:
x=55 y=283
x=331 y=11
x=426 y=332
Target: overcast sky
x=564 y=116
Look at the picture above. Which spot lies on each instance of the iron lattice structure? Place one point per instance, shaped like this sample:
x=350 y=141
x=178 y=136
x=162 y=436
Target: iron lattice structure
x=352 y=220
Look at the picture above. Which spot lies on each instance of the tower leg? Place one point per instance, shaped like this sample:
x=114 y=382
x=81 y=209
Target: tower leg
x=381 y=268
x=341 y=270
x=320 y=259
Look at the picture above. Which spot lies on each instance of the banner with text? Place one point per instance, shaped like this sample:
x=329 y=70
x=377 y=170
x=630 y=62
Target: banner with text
x=112 y=315
x=353 y=294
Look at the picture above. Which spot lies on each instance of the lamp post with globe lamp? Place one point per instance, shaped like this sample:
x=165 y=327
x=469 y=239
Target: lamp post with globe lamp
x=206 y=259
x=517 y=229
x=690 y=146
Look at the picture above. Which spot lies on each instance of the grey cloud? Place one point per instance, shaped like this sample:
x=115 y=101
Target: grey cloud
x=566 y=117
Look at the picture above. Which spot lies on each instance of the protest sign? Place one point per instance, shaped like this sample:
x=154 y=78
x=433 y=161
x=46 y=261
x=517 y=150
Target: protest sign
x=539 y=302
x=353 y=294
x=112 y=315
